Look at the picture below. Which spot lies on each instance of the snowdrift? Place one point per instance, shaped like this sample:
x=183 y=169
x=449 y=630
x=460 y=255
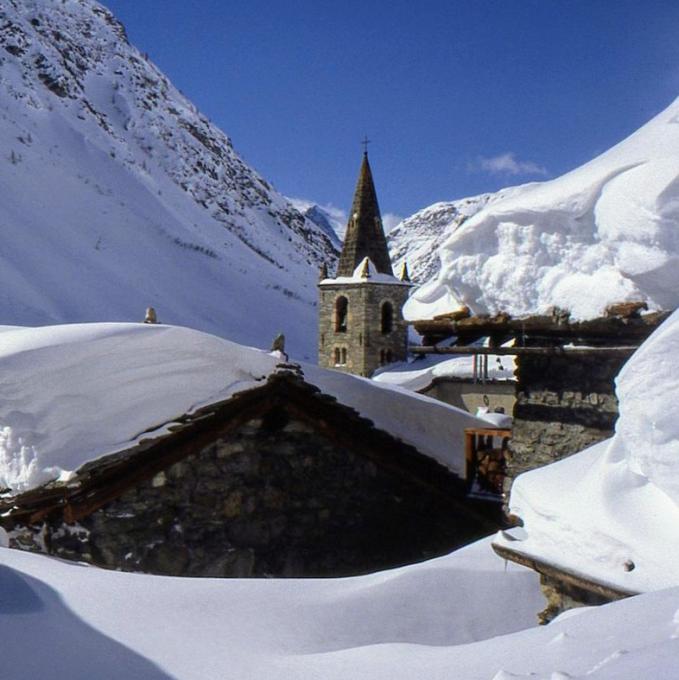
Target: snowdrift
x=463 y=616
x=616 y=504
x=603 y=233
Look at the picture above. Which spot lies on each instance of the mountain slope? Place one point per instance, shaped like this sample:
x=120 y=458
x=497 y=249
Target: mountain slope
x=117 y=193
x=603 y=233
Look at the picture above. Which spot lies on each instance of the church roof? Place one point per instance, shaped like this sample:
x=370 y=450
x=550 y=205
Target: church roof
x=365 y=235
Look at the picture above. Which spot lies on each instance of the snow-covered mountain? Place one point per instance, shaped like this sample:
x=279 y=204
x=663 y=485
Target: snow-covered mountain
x=116 y=193
x=603 y=233
x=417 y=238
x=331 y=220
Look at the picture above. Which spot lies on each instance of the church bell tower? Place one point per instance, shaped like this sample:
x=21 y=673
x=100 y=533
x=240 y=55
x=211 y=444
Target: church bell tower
x=361 y=326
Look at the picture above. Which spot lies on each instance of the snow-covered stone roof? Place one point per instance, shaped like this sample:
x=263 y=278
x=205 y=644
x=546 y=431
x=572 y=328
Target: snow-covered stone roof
x=71 y=394
x=616 y=504
x=422 y=372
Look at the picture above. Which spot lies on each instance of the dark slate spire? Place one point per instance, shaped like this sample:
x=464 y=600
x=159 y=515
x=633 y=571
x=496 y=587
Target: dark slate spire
x=365 y=236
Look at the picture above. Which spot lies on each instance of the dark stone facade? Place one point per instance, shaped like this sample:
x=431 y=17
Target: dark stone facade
x=274 y=499
x=565 y=403
x=360 y=344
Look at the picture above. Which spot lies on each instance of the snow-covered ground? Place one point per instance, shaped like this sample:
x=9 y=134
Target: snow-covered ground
x=603 y=233
x=72 y=393
x=616 y=505
x=116 y=194
x=465 y=616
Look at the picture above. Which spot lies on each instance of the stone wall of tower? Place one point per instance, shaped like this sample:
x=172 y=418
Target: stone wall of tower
x=362 y=347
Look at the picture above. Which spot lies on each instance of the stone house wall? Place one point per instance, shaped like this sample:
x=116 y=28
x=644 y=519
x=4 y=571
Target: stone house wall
x=275 y=499
x=564 y=404
x=363 y=339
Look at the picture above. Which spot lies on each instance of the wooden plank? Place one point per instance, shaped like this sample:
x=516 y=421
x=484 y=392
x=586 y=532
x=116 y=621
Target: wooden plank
x=624 y=350
x=486 y=431
x=562 y=574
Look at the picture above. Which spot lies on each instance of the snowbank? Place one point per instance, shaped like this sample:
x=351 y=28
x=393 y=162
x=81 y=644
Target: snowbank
x=70 y=394
x=603 y=233
x=462 y=616
x=417 y=238
x=616 y=504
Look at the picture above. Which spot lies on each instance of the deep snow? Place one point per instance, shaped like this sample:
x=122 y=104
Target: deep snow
x=617 y=501
x=603 y=233
x=464 y=616
x=416 y=239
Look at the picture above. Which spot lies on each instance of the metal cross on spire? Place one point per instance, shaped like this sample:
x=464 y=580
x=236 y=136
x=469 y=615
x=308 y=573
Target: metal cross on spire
x=365 y=143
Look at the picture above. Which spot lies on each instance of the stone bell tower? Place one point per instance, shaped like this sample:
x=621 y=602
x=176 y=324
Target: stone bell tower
x=361 y=326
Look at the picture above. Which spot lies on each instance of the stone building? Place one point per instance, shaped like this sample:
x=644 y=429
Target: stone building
x=279 y=479
x=361 y=326
x=565 y=375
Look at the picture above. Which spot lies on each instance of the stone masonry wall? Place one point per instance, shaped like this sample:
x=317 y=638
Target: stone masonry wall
x=363 y=339
x=275 y=499
x=564 y=404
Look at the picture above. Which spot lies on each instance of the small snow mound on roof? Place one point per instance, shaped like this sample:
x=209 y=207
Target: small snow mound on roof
x=421 y=373
x=617 y=501
x=366 y=272
x=499 y=420
x=365 y=268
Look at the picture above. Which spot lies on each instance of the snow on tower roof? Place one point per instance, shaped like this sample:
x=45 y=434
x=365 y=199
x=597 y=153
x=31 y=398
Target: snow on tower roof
x=611 y=512
x=74 y=393
x=366 y=272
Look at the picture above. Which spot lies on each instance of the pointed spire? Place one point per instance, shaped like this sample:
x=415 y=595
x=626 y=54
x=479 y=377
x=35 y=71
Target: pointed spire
x=365 y=235
x=405 y=276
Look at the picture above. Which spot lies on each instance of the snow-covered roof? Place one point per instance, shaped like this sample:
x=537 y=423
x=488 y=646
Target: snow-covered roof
x=600 y=234
x=611 y=512
x=74 y=393
x=366 y=272
x=421 y=373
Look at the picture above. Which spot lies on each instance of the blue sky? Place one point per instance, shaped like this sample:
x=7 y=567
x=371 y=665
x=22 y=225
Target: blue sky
x=458 y=97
